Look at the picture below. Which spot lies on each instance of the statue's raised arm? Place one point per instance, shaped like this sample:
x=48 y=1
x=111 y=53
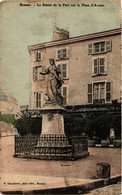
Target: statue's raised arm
x=45 y=72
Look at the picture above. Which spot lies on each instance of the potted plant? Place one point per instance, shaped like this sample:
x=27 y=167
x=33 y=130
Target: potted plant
x=89 y=130
x=117 y=128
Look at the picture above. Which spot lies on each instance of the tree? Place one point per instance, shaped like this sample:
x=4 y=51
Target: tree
x=8 y=118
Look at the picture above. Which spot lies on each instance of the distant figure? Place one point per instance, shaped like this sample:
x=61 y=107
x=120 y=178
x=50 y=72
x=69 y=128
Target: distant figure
x=54 y=83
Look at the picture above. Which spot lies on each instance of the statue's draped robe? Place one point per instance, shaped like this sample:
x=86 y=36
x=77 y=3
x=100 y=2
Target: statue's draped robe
x=53 y=82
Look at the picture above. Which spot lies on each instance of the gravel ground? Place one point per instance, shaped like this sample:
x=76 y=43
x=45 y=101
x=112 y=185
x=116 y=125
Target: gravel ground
x=56 y=170
x=82 y=168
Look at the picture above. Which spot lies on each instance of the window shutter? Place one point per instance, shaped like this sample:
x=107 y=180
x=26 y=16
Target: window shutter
x=67 y=52
x=60 y=68
x=34 y=99
x=89 y=93
x=34 y=74
x=59 y=54
x=36 y=56
x=56 y=53
x=39 y=99
x=64 y=94
x=95 y=66
x=108 y=91
x=64 y=73
x=39 y=55
x=105 y=64
x=90 y=49
x=64 y=53
x=43 y=69
x=101 y=65
x=108 y=45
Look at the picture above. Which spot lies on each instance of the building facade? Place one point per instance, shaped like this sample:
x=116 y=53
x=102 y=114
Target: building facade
x=8 y=104
x=89 y=64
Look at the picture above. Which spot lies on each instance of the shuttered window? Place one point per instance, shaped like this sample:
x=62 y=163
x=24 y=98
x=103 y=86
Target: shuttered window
x=89 y=93
x=108 y=45
x=38 y=56
x=64 y=93
x=99 y=47
x=99 y=92
x=90 y=49
x=99 y=66
x=108 y=92
x=37 y=99
x=36 y=73
x=62 y=54
x=64 y=70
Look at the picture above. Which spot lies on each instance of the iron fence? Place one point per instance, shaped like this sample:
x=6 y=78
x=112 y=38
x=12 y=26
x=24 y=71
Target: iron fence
x=50 y=146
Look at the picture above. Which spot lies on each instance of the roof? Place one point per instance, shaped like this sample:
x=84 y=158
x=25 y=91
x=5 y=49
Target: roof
x=75 y=39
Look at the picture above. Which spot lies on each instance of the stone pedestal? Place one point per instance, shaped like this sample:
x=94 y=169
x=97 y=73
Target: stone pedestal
x=52 y=120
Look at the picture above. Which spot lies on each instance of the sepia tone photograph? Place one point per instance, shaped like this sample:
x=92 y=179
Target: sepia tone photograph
x=60 y=97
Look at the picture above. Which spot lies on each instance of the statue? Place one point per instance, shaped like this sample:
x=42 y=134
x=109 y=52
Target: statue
x=54 y=83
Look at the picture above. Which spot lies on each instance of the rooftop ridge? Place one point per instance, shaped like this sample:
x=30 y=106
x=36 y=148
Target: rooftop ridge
x=75 y=39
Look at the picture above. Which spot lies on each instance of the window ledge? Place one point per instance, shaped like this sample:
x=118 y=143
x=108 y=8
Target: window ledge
x=38 y=60
x=62 y=59
x=97 y=75
x=38 y=80
x=65 y=78
x=99 y=53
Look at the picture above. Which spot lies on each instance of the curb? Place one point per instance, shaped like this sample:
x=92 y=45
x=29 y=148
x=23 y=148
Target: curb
x=77 y=189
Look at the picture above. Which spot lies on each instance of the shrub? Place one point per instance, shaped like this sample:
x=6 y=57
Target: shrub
x=102 y=125
x=27 y=126
x=117 y=125
x=73 y=126
x=99 y=125
x=8 y=118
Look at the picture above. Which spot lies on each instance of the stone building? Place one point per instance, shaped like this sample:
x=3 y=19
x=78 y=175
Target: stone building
x=90 y=68
x=8 y=104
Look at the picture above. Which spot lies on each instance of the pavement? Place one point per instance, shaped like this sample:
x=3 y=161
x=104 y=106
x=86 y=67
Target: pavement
x=114 y=189
x=23 y=176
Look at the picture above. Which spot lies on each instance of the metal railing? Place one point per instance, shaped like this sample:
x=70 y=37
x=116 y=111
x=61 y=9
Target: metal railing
x=51 y=145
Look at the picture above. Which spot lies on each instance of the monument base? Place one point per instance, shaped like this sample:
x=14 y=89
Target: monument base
x=52 y=120
x=51 y=147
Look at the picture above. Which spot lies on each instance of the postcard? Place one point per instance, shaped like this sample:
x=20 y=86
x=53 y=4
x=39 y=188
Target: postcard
x=60 y=97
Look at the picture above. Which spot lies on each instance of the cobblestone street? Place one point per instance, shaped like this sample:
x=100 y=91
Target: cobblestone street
x=114 y=189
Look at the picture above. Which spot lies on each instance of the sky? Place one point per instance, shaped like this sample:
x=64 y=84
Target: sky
x=22 y=26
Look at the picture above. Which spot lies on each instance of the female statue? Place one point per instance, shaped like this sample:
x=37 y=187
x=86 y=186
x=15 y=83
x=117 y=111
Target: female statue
x=54 y=83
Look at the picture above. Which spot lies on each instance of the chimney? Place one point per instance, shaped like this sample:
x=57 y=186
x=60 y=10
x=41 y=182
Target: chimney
x=60 y=34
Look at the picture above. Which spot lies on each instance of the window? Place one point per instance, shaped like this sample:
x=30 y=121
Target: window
x=38 y=56
x=99 y=47
x=62 y=54
x=36 y=73
x=99 y=66
x=63 y=69
x=64 y=93
x=89 y=93
x=99 y=92
x=108 y=91
x=37 y=99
